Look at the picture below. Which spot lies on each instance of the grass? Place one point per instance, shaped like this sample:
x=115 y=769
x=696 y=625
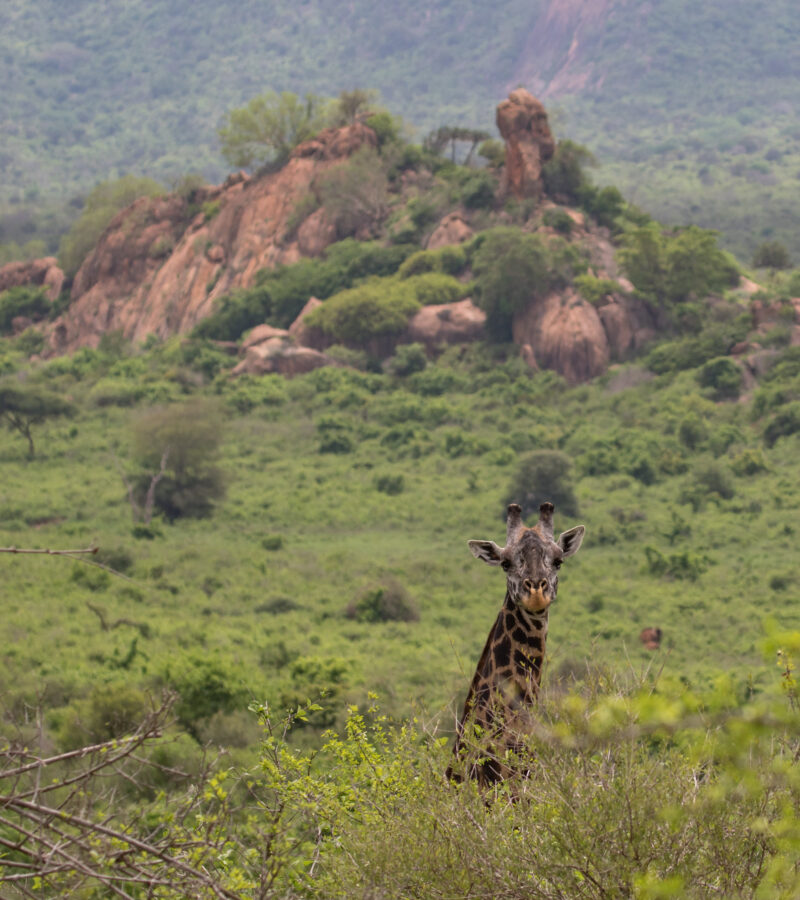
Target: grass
x=211 y=587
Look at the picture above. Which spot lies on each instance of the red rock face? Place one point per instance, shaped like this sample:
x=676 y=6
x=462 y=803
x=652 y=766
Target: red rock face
x=155 y=272
x=40 y=272
x=522 y=122
x=447 y=323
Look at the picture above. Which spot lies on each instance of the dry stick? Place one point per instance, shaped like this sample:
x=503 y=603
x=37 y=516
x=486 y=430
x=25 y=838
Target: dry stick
x=24 y=807
x=70 y=554
x=149 y=499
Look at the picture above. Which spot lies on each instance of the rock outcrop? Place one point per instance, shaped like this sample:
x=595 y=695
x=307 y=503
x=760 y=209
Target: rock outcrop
x=279 y=355
x=566 y=333
x=43 y=272
x=447 y=323
x=452 y=229
x=156 y=271
x=522 y=122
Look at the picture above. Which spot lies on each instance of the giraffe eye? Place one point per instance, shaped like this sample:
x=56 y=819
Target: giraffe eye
x=506 y=565
x=557 y=562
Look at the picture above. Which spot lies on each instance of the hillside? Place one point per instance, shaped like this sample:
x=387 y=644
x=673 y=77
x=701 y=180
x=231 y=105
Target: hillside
x=690 y=109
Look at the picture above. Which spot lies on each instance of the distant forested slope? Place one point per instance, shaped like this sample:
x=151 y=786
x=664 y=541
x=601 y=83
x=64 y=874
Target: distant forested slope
x=690 y=108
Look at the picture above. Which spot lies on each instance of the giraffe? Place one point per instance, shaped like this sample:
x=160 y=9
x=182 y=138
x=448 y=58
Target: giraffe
x=506 y=680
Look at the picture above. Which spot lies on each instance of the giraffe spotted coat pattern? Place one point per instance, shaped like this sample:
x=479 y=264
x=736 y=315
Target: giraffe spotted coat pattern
x=506 y=681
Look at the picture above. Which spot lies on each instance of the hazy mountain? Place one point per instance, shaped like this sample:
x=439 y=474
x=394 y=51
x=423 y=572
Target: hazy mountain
x=690 y=108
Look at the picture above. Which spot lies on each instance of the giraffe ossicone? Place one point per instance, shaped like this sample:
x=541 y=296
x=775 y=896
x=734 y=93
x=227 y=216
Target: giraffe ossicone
x=506 y=681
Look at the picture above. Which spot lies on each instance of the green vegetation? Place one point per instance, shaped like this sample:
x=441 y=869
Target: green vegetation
x=27 y=301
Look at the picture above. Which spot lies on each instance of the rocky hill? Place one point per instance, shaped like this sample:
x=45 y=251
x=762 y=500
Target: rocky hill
x=163 y=264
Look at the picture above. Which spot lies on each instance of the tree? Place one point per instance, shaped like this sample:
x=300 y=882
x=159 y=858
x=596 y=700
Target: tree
x=512 y=268
x=454 y=135
x=563 y=175
x=543 y=475
x=351 y=106
x=771 y=255
x=354 y=193
x=179 y=444
x=23 y=406
x=269 y=127
x=102 y=204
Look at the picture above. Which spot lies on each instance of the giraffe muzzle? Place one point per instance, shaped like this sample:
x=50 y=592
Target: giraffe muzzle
x=535 y=596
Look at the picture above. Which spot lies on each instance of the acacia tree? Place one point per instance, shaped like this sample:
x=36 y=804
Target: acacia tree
x=269 y=127
x=22 y=407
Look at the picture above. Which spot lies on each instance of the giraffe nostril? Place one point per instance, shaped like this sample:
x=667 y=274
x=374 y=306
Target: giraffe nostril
x=543 y=583
x=527 y=584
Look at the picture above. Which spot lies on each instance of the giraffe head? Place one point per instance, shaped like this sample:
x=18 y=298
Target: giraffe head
x=531 y=558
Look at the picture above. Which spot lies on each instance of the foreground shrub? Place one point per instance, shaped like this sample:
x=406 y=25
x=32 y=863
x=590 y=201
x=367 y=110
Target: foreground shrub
x=722 y=376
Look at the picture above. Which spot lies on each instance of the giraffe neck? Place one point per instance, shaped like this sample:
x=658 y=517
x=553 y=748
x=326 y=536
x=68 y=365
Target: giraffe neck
x=507 y=678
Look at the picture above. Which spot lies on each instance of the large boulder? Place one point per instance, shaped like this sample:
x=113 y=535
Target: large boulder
x=522 y=122
x=305 y=334
x=447 y=323
x=44 y=272
x=278 y=355
x=566 y=334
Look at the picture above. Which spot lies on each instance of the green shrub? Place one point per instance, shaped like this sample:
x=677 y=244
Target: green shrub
x=376 y=309
x=596 y=290
x=386 y=127
x=407 y=359
x=691 y=352
x=435 y=288
x=449 y=260
x=334 y=436
x=205 y=685
x=272 y=542
x=478 y=191
x=682 y=566
x=559 y=220
x=713 y=479
x=390 y=484
x=389 y=602
x=749 y=462
x=541 y=476
x=722 y=376
x=692 y=431
x=27 y=301
x=311 y=678
x=784 y=423
x=116 y=392
x=563 y=175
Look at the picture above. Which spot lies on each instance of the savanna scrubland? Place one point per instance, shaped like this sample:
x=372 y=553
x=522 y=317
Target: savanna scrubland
x=282 y=575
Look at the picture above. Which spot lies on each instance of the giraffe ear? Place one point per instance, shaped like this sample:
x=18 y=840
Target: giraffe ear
x=570 y=541
x=487 y=551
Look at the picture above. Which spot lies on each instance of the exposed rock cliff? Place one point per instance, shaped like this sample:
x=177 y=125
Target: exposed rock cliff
x=40 y=272
x=155 y=272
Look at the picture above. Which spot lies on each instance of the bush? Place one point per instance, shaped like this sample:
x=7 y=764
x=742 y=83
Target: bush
x=334 y=436
x=559 y=220
x=785 y=422
x=749 y=462
x=26 y=300
x=408 y=359
x=713 y=479
x=205 y=685
x=390 y=484
x=563 y=175
x=478 y=191
x=692 y=431
x=376 y=309
x=449 y=260
x=435 y=288
x=596 y=290
x=354 y=193
x=771 y=255
x=388 y=602
x=722 y=376
x=543 y=475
